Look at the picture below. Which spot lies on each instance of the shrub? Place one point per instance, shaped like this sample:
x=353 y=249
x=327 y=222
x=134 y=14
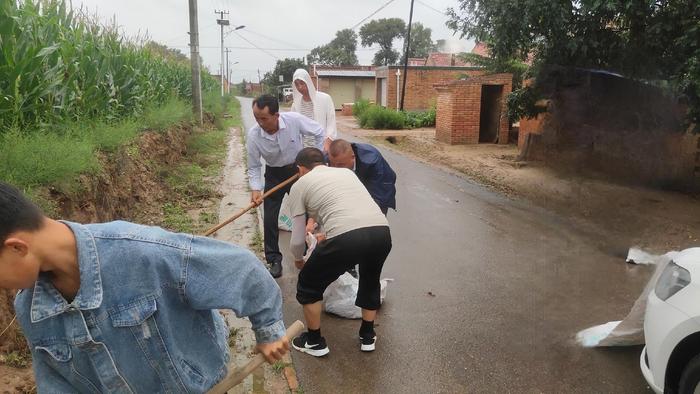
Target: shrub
x=376 y=117
x=360 y=107
x=420 y=119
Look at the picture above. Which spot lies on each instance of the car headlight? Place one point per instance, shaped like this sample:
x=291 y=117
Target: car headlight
x=672 y=280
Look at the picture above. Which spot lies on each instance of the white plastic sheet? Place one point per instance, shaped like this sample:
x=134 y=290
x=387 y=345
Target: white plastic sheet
x=630 y=330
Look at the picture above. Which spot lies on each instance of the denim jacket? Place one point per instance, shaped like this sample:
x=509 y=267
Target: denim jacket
x=144 y=319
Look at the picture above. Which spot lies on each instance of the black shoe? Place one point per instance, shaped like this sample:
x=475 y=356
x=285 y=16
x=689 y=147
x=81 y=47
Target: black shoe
x=276 y=269
x=302 y=344
x=367 y=344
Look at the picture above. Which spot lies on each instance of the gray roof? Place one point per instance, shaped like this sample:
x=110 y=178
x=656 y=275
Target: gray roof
x=346 y=73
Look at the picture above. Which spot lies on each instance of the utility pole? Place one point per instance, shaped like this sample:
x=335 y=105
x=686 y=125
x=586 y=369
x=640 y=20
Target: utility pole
x=260 y=82
x=228 y=74
x=194 y=59
x=405 y=60
x=222 y=22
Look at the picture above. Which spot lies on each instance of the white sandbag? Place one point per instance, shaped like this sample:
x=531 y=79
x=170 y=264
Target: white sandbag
x=284 y=221
x=339 y=297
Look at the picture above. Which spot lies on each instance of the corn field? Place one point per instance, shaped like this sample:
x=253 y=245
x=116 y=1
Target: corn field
x=59 y=65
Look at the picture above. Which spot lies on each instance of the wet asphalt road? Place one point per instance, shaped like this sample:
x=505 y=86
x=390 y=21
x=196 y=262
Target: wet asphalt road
x=488 y=296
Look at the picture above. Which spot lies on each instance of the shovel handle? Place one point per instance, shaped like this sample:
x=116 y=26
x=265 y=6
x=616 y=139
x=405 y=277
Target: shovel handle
x=237 y=375
x=251 y=206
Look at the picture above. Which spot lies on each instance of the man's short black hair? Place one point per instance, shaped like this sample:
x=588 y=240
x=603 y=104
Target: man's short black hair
x=17 y=213
x=309 y=158
x=268 y=101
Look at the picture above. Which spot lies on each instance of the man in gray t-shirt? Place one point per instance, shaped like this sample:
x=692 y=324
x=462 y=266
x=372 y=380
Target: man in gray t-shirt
x=356 y=230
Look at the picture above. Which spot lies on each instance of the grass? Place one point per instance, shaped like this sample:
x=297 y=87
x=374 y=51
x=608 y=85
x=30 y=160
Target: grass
x=192 y=182
x=162 y=117
x=256 y=244
x=233 y=336
x=279 y=366
x=175 y=218
x=41 y=158
x=16 y=359
x=186 y=182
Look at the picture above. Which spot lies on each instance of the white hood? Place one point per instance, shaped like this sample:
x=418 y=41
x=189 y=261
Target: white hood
x=303 y=75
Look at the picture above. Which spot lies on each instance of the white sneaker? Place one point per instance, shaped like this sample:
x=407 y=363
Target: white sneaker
x=367 y=344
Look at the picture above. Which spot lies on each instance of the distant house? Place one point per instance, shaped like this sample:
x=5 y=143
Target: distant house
x=345 y=84
x=438 y=59
x=416 y=61
x=252 y=87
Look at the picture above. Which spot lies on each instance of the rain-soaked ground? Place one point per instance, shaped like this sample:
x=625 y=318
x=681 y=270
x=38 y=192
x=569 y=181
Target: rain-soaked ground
x=488 y=296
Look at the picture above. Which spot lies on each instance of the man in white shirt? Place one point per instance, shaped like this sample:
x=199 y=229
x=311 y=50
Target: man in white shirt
x=356 y=231
x=277 y=138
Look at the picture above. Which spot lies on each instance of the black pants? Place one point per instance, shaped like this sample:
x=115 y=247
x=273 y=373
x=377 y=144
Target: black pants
x=369 y=246
x=271 y=209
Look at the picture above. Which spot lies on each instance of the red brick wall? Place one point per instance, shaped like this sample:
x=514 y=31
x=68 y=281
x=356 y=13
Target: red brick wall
x=420 y=93
x=459 y=109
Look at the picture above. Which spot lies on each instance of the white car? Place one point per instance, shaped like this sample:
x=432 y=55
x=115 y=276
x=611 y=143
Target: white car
x=670 y=361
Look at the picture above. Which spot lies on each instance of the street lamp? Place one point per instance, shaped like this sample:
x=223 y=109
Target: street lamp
x=224 y=67
x=234 y=29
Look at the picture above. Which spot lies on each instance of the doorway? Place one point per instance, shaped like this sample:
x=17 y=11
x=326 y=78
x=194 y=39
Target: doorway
x=490 y=118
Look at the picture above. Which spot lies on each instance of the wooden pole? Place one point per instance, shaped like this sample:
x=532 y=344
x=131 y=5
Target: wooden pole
x=251 y=206
x=237 y=375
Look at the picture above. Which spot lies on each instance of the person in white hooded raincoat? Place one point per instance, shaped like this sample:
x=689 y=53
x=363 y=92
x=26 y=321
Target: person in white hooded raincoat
x=315 y=105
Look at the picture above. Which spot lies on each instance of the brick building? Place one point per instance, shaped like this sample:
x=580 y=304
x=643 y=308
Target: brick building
x=473 y=110
x=420 y=92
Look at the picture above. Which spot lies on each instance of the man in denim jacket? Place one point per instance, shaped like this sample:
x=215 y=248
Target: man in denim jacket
x=119 y=307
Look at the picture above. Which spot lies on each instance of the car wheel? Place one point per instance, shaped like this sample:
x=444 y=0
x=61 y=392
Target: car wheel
x=690 y=378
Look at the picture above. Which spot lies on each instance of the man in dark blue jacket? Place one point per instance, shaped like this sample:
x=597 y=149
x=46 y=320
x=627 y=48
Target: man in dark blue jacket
x=371 y=168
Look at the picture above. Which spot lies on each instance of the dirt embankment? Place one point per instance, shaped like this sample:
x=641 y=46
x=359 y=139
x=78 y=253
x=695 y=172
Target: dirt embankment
x=130 y=186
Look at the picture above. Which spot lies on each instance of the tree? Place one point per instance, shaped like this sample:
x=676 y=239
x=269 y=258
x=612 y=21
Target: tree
x=383 y=32
x=339 y=52
x=421 y=41
x=654 y=41
x=285 y=68
x=166 y=53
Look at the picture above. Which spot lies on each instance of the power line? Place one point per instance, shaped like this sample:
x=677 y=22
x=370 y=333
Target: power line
x=430 y=7
x=271 y=38
x=251 y=43
x=187 y=34
x=372 y=14
x=264 y=48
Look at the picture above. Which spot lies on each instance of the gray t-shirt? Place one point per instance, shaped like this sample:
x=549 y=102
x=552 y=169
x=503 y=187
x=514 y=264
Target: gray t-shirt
x=336 y=199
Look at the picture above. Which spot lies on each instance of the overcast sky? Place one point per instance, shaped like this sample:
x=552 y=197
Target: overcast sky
x=282 y=28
